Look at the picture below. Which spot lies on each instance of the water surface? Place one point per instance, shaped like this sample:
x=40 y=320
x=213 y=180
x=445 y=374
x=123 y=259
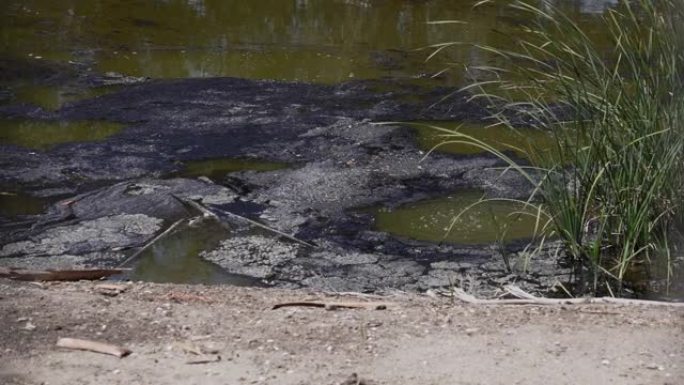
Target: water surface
x=176 y=258
x=43 y=134
x=14 y=204
x=217 y=168
x=431 y=220
x=521 y=141
x=53 y=97
x=304 y=40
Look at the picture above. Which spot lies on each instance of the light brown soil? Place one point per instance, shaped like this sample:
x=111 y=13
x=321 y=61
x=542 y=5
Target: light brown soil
x=418 y=340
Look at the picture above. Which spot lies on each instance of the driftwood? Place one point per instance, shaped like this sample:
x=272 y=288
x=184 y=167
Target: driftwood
x=57 y=275
x=93 y=346
x=335 y=305
x=151 y=242
x=525 y=298
x=214 y=213
x=109 y=289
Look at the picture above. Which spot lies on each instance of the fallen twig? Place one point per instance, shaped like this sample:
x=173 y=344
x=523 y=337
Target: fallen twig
x=93 y=346
x=213 y=213
x=152 y=241
x=353 y=294
x=57 y=275
x=524 y=298
x=204 y=360
x=335 y=305
x=110 y=289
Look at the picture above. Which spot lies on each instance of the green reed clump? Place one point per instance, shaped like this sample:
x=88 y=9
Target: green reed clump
x=611 y=188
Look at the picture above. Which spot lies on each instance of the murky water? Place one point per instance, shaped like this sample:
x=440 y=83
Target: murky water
x=218 y=168
x=430 y=220
x=54 y=97
x=304 y=40
x=13 y=204
x=42 y=135
x=176 y=258
x=520 y=141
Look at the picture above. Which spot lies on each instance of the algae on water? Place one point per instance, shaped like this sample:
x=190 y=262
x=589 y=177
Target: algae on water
x=43 y=134
x=429 y=220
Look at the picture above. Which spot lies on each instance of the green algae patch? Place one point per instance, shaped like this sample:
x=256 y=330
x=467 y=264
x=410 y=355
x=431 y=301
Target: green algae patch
x=520 y=141
x=42 y=134
x=54 y=97
x=429 y=220
x=16 y=204
x=217 y=168
x=176 y=258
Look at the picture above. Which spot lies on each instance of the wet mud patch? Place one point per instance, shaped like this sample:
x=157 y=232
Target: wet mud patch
x=344 y=162
x=57 y=246
x=112 y=220
x=171 y=123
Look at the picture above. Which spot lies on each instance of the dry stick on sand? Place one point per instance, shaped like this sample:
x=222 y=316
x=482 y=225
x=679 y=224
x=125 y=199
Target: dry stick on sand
x=111 y=290
x=207 y=360
x=93 y=346
x=335 y=305
x=210 y=212
x=57 y=275
x=525 y=298
x=152 y=241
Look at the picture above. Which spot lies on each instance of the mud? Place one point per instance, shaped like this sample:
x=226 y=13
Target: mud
x=339 y=161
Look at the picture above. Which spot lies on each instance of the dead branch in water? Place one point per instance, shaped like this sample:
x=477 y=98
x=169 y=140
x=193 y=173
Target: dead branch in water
x=525 y=298
x=152 y=241
x=213 y=213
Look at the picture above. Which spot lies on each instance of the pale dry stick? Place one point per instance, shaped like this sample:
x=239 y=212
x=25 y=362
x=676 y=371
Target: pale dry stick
x=152 y=241
x=110 y=290
x=353 y=294
x=93 y=346
x=209 y=212
x=111 y=287
x=529 y=299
